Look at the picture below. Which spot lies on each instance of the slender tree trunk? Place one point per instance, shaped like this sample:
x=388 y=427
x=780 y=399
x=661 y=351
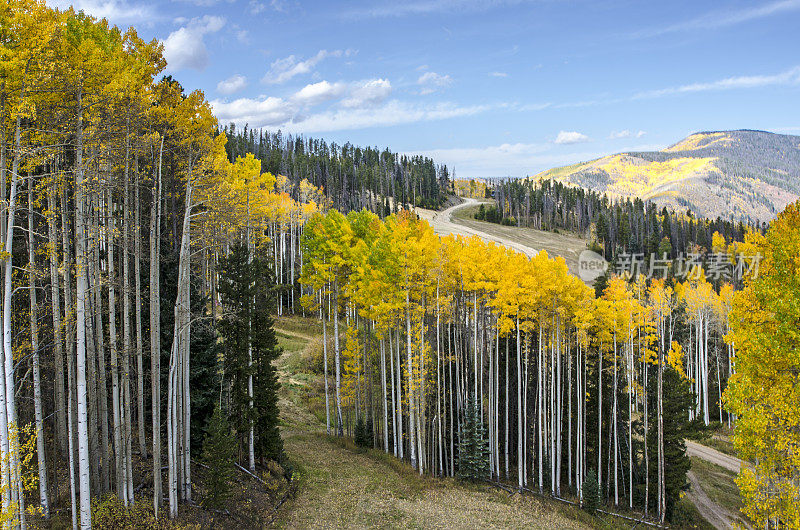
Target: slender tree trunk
x=137 y=271
x=383 y=396
x=410 y=390
x=127 y=405
x=438 y=383
x=58 y=347
x=179 y=482
x=661 y=470
x=336 y=351
x=102 y=384
x=399 y=396
x=37 y=383
x=155 y=330
x=325 y=367
x=82 y=292
x=521 y=420
x=8 y=420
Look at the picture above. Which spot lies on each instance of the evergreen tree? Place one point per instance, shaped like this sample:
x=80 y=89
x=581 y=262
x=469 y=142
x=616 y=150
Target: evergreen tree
x=360 y=434
x=250 y=346
x=591 y=492
x=473 y=451
x=219 y=448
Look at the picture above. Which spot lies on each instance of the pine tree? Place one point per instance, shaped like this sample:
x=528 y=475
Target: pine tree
x=360 y=433
x=219 y=448
x=591 y=492
x=473 y=451
x=250 y=346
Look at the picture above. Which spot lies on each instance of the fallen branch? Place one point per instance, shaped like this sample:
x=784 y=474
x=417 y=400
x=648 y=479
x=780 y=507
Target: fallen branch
x=251 y=474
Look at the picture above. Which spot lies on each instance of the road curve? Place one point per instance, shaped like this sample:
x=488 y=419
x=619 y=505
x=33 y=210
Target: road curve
x=731 y=463
x=443 y=224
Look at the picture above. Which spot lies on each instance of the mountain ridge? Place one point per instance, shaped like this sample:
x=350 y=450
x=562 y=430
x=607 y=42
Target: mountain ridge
x=742 y=174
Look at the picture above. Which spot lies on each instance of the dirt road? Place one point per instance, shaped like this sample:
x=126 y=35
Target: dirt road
x=443 y=225
x=529 y=241
x=714 y=481
x=711 y=511
x=731 y=463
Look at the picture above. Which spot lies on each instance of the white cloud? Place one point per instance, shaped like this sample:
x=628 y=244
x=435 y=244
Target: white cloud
x=498 y=74
x=787 y=77
x=790 y=77
x=284 y=69
x=258 y=112
x=616 y=135
x=431 y=82
x=570 y=137
x=721 y=19
x=232 y=85
x=392 y=113
x=532 y=107
x=317 y=93
x=286 y=114
x=427 y=7
x=368 y=93
x=116 y=11
x=516 y=160
x=185 y=48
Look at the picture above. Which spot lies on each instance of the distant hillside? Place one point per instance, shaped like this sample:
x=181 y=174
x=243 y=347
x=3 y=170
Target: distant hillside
x=731 y=174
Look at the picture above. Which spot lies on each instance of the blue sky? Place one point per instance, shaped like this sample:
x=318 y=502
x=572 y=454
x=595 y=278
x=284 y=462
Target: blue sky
x=492 y=88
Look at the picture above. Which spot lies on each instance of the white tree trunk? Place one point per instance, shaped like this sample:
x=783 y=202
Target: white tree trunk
x=137 y=272
x=58 y=347
x=82 y=291
x=37 y=384
x=155 y=330
x=325 y=367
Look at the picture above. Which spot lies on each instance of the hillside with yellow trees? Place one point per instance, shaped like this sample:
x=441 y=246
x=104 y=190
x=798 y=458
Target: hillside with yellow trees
x=739 y=175
x=468 y=359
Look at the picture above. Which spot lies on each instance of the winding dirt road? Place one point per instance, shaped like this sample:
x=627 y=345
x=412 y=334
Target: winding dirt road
x=443 y=224
x=715 y=514
x=731 y=463
x=711 y=511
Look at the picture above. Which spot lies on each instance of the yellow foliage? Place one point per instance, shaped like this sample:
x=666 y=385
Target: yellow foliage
x=764 y=392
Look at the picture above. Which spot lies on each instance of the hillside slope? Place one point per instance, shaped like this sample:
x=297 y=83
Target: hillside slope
x=729 y=174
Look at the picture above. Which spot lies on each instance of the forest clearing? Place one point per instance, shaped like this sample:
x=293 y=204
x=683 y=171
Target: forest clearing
x=342 y=485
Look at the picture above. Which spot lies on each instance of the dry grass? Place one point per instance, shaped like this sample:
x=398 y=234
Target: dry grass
x=568 y=246
x=341 y=486
x=718 y=483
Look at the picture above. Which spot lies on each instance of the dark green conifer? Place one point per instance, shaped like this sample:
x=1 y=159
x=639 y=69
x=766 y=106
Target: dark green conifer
x=473 y=450
x=219 y=448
